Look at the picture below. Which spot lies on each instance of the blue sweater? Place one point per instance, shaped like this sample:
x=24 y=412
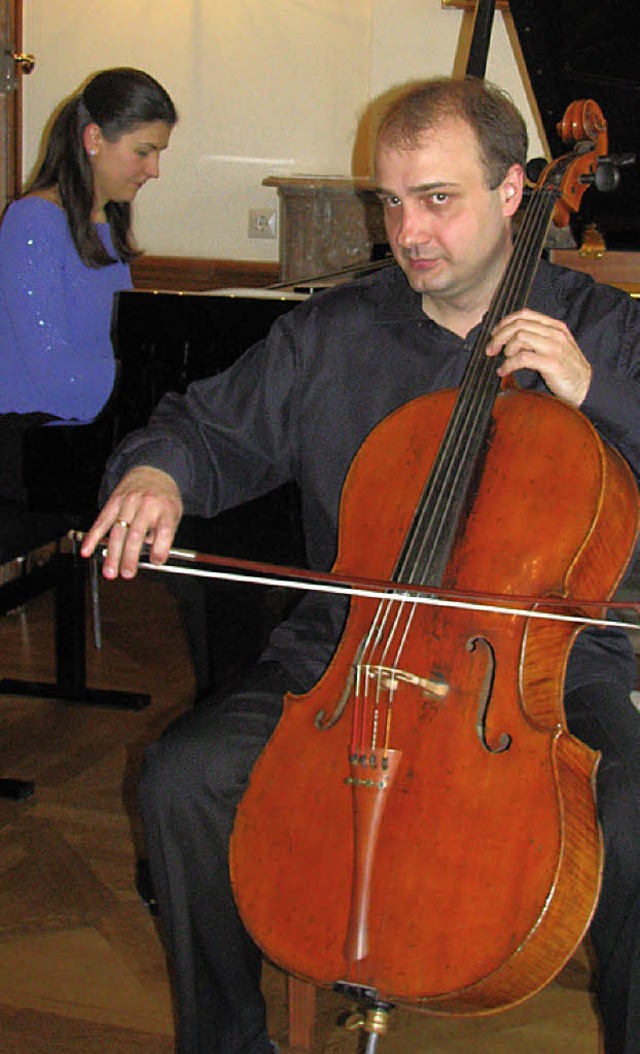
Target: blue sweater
x=55 y=315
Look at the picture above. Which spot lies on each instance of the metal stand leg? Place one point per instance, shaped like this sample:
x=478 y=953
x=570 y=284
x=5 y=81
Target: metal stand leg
x=371 y=1044
x=71 y=660
x=96 y=617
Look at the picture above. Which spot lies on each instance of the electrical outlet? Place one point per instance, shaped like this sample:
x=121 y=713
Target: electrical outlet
x=262 y=223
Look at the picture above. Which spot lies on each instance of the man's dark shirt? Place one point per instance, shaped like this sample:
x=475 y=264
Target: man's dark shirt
x=299 y=404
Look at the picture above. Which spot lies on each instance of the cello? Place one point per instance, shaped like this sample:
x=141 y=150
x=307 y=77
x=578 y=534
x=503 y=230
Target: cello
x=421 y=827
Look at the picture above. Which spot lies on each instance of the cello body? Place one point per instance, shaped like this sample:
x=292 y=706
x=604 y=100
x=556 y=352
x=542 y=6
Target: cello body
x=453 y=864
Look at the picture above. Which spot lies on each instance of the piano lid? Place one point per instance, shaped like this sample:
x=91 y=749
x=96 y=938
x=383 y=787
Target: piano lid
x=577 y=50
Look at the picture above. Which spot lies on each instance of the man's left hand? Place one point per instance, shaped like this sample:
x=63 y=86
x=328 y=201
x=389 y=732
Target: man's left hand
x=535 y=342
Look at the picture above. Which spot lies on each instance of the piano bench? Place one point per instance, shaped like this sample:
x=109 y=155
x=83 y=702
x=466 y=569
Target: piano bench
x=64 y=571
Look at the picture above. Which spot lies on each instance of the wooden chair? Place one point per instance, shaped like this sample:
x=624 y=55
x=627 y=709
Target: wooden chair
x=302 y=1014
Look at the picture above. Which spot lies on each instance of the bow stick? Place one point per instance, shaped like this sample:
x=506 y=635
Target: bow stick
x=234 y=569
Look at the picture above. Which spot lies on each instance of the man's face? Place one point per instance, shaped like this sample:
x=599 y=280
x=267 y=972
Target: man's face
x=448 y=231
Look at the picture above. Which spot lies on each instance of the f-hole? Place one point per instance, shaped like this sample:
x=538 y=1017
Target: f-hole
x=504 y=739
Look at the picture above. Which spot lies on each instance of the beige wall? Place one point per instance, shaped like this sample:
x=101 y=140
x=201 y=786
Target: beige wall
x=263 y=87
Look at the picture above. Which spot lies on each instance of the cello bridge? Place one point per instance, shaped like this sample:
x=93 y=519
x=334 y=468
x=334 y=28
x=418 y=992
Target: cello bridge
x=390 y=678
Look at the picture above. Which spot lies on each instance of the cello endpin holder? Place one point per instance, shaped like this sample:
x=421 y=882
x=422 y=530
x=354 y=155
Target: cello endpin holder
x=372 y=1020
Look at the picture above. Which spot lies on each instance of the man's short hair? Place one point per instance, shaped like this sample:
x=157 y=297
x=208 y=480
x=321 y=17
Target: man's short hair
x=488 y=110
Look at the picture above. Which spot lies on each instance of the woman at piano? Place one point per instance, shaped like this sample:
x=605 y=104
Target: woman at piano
x=65 y=249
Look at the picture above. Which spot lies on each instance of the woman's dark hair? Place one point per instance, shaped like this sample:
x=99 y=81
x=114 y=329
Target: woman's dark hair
x=498 y=126
x=118 y=101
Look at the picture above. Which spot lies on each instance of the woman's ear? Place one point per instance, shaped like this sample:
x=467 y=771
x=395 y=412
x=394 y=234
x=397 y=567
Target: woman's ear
x=92 y=137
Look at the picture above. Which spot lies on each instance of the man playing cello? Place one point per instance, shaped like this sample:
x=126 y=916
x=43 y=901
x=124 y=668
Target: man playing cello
x=449 y=168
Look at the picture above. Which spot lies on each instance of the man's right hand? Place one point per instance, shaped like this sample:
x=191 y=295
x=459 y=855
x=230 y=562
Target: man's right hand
x=146 y=506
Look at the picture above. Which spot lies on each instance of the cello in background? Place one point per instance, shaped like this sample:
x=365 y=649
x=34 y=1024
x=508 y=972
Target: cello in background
x=421 y=827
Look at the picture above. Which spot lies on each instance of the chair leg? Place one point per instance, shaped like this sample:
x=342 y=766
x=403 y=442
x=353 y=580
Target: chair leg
x=302 y=1013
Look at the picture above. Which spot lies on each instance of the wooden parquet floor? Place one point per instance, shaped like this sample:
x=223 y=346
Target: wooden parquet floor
x=82 y=969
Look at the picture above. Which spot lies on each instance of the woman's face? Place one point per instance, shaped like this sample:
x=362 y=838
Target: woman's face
x=122 y=166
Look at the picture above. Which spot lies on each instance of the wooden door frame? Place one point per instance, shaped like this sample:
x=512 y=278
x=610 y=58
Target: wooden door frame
x=11 y=107
x=16 y=123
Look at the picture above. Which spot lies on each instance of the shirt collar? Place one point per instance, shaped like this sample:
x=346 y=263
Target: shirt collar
x=398 y=302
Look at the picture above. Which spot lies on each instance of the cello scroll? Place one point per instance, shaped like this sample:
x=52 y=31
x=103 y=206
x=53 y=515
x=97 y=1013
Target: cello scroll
x=583 y=125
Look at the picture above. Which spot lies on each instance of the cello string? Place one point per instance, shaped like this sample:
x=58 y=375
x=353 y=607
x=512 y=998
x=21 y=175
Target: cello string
x=369 y=666
x=367 y=660
x=398 y=604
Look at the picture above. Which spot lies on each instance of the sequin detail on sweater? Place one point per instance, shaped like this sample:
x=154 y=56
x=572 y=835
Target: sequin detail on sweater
x=55 y=315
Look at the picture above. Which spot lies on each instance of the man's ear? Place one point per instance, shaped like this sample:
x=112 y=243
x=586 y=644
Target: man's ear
x=92 y=138
x=511 y=189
